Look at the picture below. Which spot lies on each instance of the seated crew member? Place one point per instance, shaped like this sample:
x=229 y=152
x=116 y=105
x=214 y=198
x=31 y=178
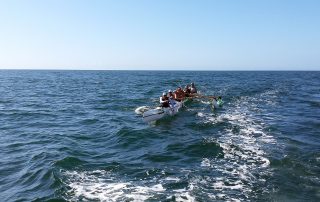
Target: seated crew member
x=164 y=100
x=170 y=94
x=187 y=91
x=179 y=95
x=172 y=102
x=193 y=89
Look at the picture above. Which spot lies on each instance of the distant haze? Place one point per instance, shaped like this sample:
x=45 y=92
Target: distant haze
x=160 y=35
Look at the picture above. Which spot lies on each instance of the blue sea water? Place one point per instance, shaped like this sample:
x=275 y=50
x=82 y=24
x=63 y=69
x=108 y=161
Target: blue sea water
x=74 y=136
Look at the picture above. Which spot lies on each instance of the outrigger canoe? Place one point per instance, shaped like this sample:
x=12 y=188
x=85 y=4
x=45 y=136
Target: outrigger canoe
x=161 y=112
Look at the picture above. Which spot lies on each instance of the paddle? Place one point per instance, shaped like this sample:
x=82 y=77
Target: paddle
x=216 y=100
x=205 y=96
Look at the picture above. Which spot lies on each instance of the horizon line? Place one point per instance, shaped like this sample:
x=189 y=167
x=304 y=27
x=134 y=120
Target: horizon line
x=97 y=69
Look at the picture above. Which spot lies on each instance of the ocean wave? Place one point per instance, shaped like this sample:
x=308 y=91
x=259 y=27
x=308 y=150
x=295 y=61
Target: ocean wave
x=69 y=162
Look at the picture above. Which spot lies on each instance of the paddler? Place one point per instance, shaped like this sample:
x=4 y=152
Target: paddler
x=179 y=95
x=172 y=103
x=187 y=91
x=170 y=94
x=193 y=89
x=164 y=100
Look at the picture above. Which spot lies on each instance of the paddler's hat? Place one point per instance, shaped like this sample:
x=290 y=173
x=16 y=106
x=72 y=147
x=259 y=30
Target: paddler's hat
x=163 y=94
x=169 y=91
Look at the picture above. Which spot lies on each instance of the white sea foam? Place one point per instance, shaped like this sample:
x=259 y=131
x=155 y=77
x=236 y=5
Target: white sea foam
x=172 y=179
x=205 y=162
x=105 y=186
x=200 y=114
x=102 y=186
x=184 y=197
x=243 y=145
x=243 y=165
x=205 y=102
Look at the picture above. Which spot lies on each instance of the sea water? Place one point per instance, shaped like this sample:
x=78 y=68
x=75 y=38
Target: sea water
x=75 y=136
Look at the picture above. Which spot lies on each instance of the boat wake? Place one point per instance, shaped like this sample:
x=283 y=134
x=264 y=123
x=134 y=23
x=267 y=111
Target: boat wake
x=244 y=165
x=103 y=185
x=239 y=173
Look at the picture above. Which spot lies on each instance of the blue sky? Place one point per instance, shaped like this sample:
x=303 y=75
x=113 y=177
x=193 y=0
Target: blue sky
x=163 y=34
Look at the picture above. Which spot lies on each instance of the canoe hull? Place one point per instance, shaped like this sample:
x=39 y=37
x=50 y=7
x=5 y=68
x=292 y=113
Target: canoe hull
x=160 y=112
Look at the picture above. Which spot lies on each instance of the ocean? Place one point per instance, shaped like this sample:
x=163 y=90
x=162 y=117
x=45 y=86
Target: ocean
x=75 y=136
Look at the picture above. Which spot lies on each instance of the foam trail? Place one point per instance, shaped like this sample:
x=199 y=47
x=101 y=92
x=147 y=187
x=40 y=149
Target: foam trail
x=244 y=163
x=106 y=186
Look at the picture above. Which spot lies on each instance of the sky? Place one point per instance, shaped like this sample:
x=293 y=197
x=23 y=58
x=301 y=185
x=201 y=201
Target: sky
x=160 y=34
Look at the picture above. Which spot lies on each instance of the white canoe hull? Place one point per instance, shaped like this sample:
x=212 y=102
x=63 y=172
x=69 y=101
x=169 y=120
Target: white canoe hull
x=160 y=112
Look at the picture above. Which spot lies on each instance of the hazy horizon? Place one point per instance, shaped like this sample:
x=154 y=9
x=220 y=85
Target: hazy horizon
x=118 y=69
